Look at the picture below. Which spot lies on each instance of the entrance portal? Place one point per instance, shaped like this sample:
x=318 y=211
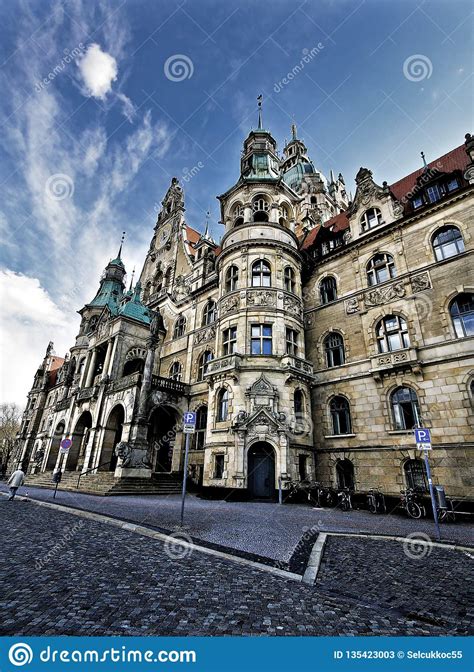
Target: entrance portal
x=79 y=437
x=54 y=450
x=112 y=436
x=162 y=436
x=261 y=470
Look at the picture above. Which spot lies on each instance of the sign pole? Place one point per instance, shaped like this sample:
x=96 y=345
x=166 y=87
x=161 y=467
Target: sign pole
x=432 y=494
x=189 y=427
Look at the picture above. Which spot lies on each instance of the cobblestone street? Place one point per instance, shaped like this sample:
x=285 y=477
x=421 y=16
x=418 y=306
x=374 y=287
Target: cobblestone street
x=62 y=574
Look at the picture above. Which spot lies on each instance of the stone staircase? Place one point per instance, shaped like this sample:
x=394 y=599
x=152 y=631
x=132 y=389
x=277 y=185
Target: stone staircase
x=104 y=483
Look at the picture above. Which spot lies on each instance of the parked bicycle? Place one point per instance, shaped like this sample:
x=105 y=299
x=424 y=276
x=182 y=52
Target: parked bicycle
x=324 y=496
x=344 y=496
x=411 y=501
x=376 y=501
x=446 y=512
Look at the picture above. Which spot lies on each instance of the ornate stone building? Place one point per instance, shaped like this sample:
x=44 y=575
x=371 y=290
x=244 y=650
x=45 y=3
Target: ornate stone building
x=310 y=341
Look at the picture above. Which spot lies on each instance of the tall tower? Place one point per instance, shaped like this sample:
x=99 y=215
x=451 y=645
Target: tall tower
x=259 y=382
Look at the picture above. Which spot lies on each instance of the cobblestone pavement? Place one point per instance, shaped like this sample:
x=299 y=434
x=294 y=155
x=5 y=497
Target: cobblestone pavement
x=264 y=529
x=61 y=574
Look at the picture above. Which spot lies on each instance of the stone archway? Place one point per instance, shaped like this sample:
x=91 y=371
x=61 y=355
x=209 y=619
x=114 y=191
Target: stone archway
x=162 y=436
x=112 y=436
x=261 y=470
x=79 y=438
x=54 y=449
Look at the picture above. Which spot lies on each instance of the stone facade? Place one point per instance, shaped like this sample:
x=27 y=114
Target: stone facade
x=310 y=341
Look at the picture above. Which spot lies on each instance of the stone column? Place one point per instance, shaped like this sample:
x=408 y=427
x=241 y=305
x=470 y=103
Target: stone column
x=91 y=369
x=108 y=356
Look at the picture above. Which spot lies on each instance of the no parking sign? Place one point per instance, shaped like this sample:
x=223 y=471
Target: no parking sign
x=65 y=445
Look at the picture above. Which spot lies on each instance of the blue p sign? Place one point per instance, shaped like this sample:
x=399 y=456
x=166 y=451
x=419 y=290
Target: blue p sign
x=422 y=436
x=189 y=418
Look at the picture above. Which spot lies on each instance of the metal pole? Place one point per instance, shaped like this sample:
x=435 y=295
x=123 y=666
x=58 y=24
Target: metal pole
x=432 y=493
x=280 y=491
x=185 y=473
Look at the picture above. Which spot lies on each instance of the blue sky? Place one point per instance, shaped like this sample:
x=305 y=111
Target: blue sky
x=102 y=103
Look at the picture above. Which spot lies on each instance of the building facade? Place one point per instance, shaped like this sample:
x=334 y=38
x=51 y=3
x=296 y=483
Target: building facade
x=310 y=340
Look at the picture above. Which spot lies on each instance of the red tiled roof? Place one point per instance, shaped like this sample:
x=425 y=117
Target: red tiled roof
x=456 y=159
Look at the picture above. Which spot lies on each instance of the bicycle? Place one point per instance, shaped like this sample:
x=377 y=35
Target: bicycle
x=410 y=501
x=345 y=496
x=376 y=501
x=446 y=513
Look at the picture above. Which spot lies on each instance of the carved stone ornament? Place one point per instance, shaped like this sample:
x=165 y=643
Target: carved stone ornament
x=352 y=306
x=397 y=208
x=181 y=288
x=420 y=282
x=381 y=295
x=292 y=305
x=261 y=298
x=347 y=236
x=205 y=335
x=230 y=304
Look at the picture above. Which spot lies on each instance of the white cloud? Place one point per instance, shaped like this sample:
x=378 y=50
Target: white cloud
x=29 y=320
x=128 y=109
x=98 y=70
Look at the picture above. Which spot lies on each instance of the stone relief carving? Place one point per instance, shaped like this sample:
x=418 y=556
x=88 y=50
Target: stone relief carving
x=230 y=304
x=261 y=298
x=292 y=305
x=352 y=306
x=181 y=288
x=205 y=335
x=420 y=282
x=381 y=295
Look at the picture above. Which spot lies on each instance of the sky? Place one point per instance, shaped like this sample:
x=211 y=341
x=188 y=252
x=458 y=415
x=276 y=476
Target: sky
x=104 y=102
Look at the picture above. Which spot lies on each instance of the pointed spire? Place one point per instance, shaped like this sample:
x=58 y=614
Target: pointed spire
x=206 y=232
x=331 y=176
x=121 y=243
x=293 y=131
x=259 y=100
x=425 y=166
x=131 y=281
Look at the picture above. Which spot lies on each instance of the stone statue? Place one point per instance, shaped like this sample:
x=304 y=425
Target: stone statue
x=156 y=325
x=123 y=450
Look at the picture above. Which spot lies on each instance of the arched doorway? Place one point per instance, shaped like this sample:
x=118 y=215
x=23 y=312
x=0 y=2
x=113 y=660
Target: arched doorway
x=112 y=436
x=345 y=474
x=162 y=436
x=261 y=470
x=54 y=450
x=79 y=438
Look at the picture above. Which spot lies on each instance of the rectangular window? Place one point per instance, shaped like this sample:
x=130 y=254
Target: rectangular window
x=229 y=341
x=417 y=202
x=453 y=185
x=219 y=466
x=433 y=193
x=291 y=342
x=261 y=339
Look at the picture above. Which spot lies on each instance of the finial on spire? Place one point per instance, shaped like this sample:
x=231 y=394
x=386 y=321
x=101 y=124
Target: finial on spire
x=425 y=166
x=206 y=232
x=131 y=281
x=121 y=243
x=293 y=131
x=259 y=100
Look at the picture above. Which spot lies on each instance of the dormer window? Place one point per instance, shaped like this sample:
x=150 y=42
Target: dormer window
x=453 y=185
x=434 y=193
x=371 y=218
x=417 y=202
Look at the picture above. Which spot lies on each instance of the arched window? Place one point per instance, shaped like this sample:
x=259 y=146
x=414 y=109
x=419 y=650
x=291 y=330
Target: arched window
x=447 y=242
x=199 y=438
x=209 y=314
x=204 y=360
x=146 y=292
x=392 y=334
x=176 y=371
x=238 y=214
x=260 y=208
x=345 y=474
x=405 y=409
x=340 y=416
x=231 y=279
x=179 y=327
x=380 y=268
x=284 y=215
x=222 y=405
x=298 y=403
x=334 y=349
x=158 y=281
x=168 y=277
x=289 y=279
x=462 y=314
x=328 y=290
x=371 y=217
x=415 y=475
x=261 y=274
x=133 y=366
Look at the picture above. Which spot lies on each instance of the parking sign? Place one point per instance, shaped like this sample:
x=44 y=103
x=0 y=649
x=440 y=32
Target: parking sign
x=189 y=422
x=423 y=439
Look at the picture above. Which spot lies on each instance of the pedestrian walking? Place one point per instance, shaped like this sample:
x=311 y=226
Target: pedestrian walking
x=15 y=480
